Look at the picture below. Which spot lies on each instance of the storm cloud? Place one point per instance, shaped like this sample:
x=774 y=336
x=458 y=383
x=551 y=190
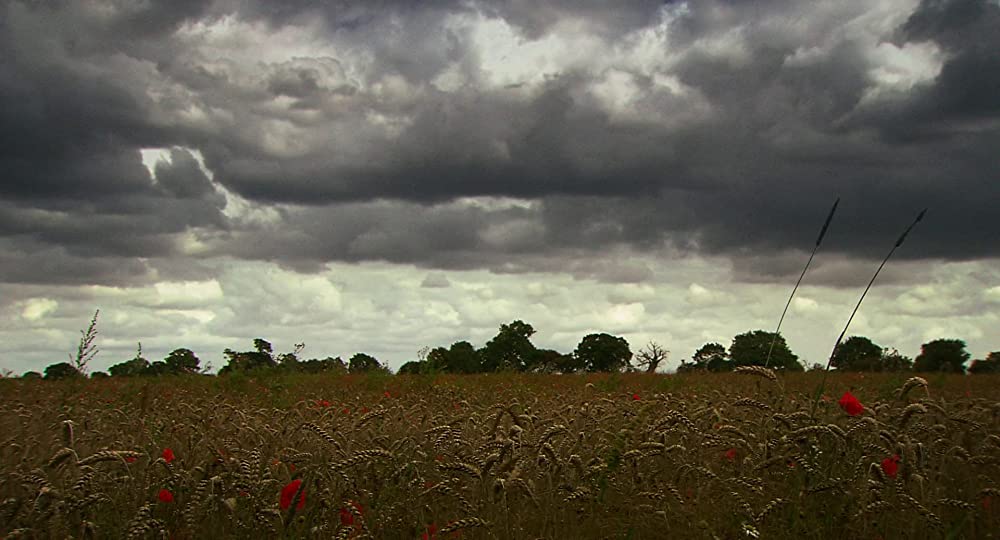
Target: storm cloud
x=161 y=141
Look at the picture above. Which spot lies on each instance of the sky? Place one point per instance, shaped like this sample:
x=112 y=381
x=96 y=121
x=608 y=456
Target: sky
x=385 y=176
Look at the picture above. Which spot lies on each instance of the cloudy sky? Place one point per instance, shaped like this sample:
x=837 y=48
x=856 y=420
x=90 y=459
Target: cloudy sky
x=386 y=175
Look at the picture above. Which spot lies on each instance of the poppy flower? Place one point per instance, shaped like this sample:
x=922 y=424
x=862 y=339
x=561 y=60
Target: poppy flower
x=387 y=394
x=346 y=411
x=322 y=403
x=165 y=496
x=731 y=454
x=168 y=455
x=431 y=532
x=288 y=492
x=890 y=466
x=347 y=516
x=131 y=459
x=635 y=397
x=850 y=404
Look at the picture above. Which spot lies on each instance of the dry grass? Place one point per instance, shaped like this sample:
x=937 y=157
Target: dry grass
x=697 y=456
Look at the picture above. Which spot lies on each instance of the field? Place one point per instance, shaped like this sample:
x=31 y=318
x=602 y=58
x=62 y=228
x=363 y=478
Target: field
x=738 y=455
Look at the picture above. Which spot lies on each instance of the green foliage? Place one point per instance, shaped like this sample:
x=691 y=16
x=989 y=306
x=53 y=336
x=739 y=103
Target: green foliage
x=603 y=352
x=510 y=349
x=182 y=361
x=131 y=368
x=363 y=363
x=251 y=360
x=948 y=355
x=750 y=349
x=991 y=364
x=710 y=357
x=31 y=375
x=858 y=353
x=62 y=370
x=893 y=361
x=461 y=357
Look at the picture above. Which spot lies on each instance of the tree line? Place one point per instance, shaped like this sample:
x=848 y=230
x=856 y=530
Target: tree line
x=511 y=350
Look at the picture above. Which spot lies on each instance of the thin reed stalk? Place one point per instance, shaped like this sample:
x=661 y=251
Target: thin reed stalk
x=826 y=371
x=819 y=240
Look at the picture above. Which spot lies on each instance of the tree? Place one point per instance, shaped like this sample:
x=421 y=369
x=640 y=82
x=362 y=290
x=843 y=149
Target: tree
x=290 y=361
x=31 y=375
x=245 y=361
x=413 y=367
x=328 y=364
x=603 y=352
x=942 y=355
x=750 y=349
x=991 y=364
x=710 y=357
x=510 y=349
x=182 y=361
x=62 y=370
x=893 y=361
x=858 y=353
x=98 y=375
x=131 y=368
x=651 y=356
x=461 y=357
x=363 y=363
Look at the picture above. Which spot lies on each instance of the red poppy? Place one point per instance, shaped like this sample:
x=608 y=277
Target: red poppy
x=731 y=454
x=322 y=403
x=986 y=502
x=364 y=410
x=387 y=394
x=635 y=397
x=347 y=517
x=165 y=496
x=890 y=466
x=131 y=459
x=346 y=411
x=168 y=455
x=431 y=532
x=850 y=404
x=288 y=492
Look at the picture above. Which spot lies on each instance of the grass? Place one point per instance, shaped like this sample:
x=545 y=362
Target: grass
x=500 y=456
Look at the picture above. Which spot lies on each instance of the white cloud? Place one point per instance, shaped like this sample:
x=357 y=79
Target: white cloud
x=38 y=308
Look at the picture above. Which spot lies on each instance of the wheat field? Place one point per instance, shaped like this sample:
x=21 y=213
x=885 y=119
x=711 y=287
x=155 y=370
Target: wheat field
x=741 y=455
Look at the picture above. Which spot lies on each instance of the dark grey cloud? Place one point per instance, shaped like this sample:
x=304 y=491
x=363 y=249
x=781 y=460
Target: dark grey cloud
x=740 y=126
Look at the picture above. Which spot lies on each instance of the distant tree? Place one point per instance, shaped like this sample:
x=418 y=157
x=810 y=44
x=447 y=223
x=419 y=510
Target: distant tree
x=893 y=361
x=290 y=361
x=710 y=357
x=461 y=357
x=363 y=363
x=651 y=356
x=413 y=367
x=326 y=365
x=98 y=375
x=157 y=369
x=603 y=352
x=131 y=368
x=510 y=349
x=942 y=355
x=750 y=349
x=858 y=353
x=991 y=364
x=262 y=357
x=62 y=370
x=182 y=361
x=31 y=375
